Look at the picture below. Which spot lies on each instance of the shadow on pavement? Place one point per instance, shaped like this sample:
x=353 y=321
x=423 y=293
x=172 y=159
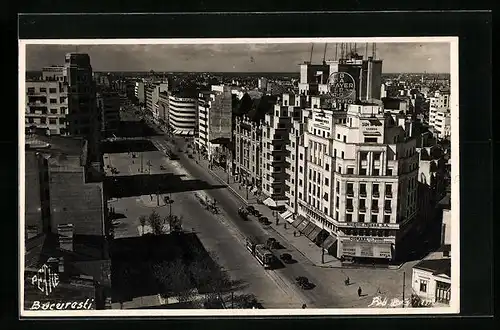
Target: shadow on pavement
x=147 y=184
x=135 y=128
x=185 y=263
x=123 y=146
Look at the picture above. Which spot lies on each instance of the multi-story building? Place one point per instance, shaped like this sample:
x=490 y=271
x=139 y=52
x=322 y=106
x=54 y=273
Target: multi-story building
x=214 y=119
x=47 y=105
x=139 y=92
x=248 y=150
x=275 y=138
x=163 y=108
x=108 y=103
x=152 y=95
x=262 y=83
x=365 y=75
x=440 y=115
x=54 y=73
x=182 y=113
x=357 y=179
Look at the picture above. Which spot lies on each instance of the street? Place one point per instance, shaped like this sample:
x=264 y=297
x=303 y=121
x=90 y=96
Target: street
x=214 y=232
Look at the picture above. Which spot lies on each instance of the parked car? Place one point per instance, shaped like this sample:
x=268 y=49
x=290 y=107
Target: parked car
x=250 y=209
x=257 y=213
x=272 y=243
x=286 y=257
x=303 y=283
x=243 y=213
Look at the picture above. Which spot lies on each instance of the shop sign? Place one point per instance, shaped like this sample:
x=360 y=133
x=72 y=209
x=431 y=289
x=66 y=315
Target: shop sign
x=367 y=225
x=368 y=239
x=385 y=254
x=366 y=251
x=349 y=250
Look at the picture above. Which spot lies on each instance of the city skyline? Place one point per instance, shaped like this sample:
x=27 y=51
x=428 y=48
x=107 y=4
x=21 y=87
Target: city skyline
x=418 y=57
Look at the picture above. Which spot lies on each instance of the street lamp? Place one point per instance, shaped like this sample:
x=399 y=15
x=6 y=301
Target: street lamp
x=168 y=200
x=323 y=247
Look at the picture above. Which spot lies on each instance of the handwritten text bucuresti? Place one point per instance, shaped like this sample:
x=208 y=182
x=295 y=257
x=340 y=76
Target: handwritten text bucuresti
x=70 y=305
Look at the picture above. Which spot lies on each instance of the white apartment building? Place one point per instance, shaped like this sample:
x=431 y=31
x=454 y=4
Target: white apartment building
x=182 y=114
x=357 y=180
x=275 y=138
x=248 y=150
x=440 y=115
x=47 y=105
x=152 y=96
x=139 y=91
x=214 y=126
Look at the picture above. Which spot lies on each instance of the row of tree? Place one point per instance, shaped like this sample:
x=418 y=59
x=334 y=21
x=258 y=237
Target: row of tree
x=157 y=223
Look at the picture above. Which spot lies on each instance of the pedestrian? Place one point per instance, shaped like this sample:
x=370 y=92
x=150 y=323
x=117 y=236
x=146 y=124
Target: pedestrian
x=304 y=306
x=294 y=233
x=379 y=291
x=359 y=291
x=347 y=280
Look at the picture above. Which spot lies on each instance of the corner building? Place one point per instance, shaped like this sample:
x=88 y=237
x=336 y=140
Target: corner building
x=357 y=179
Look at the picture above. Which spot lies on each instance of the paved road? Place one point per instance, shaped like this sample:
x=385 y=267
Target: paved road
x=322 y=296
x=214 y=231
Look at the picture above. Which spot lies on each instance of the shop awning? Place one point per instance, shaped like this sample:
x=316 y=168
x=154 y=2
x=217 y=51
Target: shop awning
x=314 y=234
x=303 y=225
x=309 y=228
x=329 y=241
x=269 y=202
x=286 y=216
x=298 y=221
x=372 y=134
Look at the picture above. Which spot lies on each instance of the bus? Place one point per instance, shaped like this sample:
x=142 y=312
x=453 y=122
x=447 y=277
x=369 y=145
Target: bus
x=264 y=256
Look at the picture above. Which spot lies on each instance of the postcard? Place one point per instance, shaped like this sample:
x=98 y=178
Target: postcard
x=205 y=177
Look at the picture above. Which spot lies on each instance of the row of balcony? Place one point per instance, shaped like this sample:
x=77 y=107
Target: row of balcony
x=363 y=193
x=373 y=210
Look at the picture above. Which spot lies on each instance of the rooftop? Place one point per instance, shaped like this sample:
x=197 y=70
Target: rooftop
x=435 y=266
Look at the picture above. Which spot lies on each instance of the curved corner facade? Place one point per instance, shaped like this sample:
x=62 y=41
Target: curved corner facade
x=182 y=116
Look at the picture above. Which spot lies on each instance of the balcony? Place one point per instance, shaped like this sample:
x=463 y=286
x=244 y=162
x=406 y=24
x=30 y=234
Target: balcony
x=289 y=147
x=388 y=194
x=362 y=209
x=350 y=193
x=387 y=209
x=376 y=194
x=374 y=210
x=362 y=193
x=349 y=208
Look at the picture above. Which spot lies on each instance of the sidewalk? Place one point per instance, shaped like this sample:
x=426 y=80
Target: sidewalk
x=305 y=246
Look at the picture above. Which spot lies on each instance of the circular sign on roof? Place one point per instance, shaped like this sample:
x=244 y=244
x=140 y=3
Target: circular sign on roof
x=341 y=86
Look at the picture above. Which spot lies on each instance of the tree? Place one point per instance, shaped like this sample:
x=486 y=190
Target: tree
x=143 y=220
x=156 y=223
x=174 y=280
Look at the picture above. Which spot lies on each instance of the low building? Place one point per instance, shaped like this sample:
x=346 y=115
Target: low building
x=431 y=281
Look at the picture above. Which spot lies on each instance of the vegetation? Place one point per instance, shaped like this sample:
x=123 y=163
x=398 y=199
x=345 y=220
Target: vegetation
x=143 y=220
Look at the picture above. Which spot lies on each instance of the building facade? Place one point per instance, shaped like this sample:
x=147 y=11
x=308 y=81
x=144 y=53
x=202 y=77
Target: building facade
x=357 y=179
x=248 y=151
x=275 y=138
x=139 y=92
x=152 y=95
x=440 y=115
x=431 y=281
x=182 y=114
x=47 y=105
x=109 y=103
x=214 y=118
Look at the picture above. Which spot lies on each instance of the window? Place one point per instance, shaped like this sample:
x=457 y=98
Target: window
x=370 y=140
x=325 y=210
x=335 y=153
x=348 y=217
x=325 y=197
x=31 y=90
x=301 y=156
x=340 y=170
x=342 y=155
x=344 y=139
x=362 y=189
x=336 y=215
x=349 y=206
x=389 y=171
x=377 y=156
x=376 y=192
x=337 y=202
x=300 y=169
x=388 y=190
x=350 y=170
x=43 y=120
x=326 y=182
x=52 y=90
x=362 y=205
x=361 y=217
x=53 y=101
x=363 y=155
x=374 y=205
x=350 y=189
x=338 y=136
x=362 y=171
x=376 y=172
x=53 y=111
x=300 y=195
x=374 y=218
x=337 y=187
x=423 y=286
x=327 y=166
x=52 y=121
x=300 y=182
x=43 y=90
x=387 y=206
x=387 y=218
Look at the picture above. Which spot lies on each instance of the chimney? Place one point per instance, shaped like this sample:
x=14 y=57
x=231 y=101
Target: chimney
x=65 y=232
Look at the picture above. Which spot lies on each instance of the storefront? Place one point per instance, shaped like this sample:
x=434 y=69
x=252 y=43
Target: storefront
x=366 y=247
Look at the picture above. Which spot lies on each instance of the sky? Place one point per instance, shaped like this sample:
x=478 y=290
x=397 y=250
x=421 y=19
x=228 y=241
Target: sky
x=271 y=57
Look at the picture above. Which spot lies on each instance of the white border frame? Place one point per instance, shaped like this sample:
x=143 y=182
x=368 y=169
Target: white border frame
x=455 y=184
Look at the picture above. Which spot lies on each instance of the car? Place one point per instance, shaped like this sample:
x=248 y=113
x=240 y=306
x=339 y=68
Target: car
x=250 y=208
x=162 y=167
x=263 y=219
x=257 y=213
x=307 y=286
x=286 y=257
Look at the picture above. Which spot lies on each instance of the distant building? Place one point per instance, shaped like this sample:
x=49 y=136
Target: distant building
x=152 y=94
x=182 y=113
x=109 y=103
x=139 y=92
x=440 y=114
x=262 y=83
x=163 y=108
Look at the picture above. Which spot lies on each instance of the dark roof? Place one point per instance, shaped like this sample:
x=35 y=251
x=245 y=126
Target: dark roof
x=436 y=266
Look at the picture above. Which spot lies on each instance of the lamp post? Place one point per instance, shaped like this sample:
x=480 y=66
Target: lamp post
x=323 y=248
x=404 y=284
x=168 y=200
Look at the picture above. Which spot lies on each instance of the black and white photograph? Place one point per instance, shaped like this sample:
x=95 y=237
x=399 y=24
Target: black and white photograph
x=174 y=177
